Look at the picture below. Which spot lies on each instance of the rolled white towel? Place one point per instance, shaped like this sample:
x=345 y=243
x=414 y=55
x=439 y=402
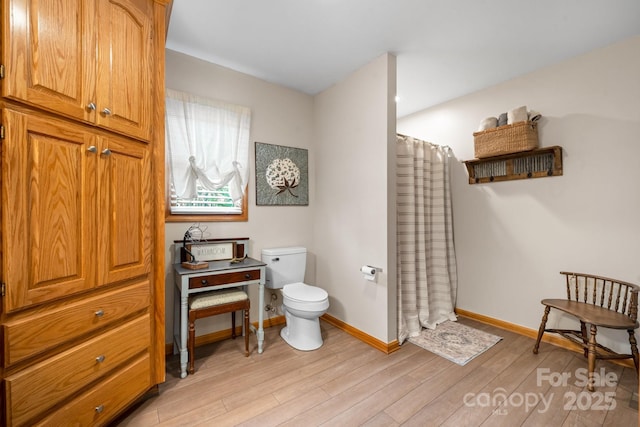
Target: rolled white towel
x=534 y=116
x=488 y=123
x=517 y=115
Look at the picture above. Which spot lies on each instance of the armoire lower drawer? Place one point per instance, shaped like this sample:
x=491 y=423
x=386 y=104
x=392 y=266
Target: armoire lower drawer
x=45 y=330
x=98 y=405
x=38 y=388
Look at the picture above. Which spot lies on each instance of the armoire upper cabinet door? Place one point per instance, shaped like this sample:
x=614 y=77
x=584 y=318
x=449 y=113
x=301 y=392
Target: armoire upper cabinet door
x=124 y=193
x=49 y=174
x=125 y=54
x=49 y=56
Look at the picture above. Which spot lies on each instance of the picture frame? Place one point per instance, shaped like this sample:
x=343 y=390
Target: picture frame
x=282 y=175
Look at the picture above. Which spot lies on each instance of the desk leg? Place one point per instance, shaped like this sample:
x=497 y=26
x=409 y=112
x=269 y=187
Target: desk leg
x=184 y=353
x=176 y=320
x=260 y=332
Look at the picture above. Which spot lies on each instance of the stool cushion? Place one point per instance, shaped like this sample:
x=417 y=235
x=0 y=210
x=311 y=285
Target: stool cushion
x=213 y=298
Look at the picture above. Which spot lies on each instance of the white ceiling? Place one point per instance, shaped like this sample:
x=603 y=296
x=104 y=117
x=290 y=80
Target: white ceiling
x=444 y=48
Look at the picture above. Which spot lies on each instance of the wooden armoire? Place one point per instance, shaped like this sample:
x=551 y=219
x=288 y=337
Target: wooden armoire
x=82 y=213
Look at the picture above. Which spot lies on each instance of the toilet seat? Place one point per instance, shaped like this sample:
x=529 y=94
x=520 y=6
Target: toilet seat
x=304 y=293
x=301 y=296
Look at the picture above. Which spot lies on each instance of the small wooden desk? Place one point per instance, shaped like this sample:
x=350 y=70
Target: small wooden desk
x=218 y=275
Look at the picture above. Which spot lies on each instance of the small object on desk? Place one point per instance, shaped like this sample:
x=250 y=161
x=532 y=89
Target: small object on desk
x=195 y=265
x=237 y=260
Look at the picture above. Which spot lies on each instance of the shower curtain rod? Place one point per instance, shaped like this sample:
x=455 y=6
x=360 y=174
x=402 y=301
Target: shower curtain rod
x=407 y=136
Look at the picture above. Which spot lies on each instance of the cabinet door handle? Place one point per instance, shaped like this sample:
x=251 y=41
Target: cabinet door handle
x=106 y=152
x=100 y=358
x=91 y=106
x=106 y=112
x=99 y=409
x=92 y=149
x=100 y=313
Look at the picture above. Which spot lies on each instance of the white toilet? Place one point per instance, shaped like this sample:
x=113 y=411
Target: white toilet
x=302 y=304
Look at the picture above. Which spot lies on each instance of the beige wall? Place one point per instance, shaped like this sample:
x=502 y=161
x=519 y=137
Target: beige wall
x=278 y=116
x=354 y=127
x=512 y=238
x=349 y=222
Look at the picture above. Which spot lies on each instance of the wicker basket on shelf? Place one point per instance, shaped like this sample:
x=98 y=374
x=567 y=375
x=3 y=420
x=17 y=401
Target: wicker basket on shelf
x=521 y=136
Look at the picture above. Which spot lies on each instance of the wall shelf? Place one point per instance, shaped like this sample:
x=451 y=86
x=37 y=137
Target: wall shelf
x=537 y=163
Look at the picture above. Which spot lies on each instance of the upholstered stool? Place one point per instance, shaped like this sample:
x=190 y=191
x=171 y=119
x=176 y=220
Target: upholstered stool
x=211 y=303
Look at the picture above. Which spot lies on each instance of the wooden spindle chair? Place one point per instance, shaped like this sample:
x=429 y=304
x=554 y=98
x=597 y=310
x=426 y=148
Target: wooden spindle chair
x=599 y=302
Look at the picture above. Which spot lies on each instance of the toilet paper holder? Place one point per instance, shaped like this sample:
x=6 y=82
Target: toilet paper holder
x=370 y=272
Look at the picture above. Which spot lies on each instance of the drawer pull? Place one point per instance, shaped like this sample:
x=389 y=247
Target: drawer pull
x=100 y=358
x=204 y=282
x=100 y=313
x=99 y=409
x=247 y=276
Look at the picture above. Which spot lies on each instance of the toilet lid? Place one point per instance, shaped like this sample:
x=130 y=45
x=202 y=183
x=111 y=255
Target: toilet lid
x=303 y=292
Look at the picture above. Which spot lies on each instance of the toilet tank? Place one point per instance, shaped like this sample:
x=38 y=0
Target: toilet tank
x=284 y=265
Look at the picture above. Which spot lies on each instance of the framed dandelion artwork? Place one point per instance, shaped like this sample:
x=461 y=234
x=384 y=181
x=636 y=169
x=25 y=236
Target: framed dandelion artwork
x=282 y=175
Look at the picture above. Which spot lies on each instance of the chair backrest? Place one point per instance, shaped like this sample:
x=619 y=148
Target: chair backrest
x=611 y=294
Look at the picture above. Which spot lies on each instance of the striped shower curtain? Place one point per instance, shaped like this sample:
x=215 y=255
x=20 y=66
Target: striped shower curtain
x=427 y=278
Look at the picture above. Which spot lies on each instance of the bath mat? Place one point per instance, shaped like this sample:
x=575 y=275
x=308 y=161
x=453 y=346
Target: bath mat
x=455 y=342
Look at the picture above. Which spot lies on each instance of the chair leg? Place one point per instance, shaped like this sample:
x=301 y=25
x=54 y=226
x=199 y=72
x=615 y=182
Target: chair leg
x=634 y=350
x=543 y=325
x=585 y=338
x=246 y=332
x=191 y=340
x=233 y=325
x=592 y=358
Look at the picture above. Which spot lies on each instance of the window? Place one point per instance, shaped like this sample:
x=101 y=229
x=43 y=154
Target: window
x=205 y=202
x=207 y=145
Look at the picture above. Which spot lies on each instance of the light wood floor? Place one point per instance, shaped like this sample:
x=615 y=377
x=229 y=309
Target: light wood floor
x=348 y=383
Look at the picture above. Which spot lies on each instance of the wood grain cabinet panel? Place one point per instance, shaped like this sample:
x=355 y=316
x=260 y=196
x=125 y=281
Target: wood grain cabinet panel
x=82 y=208
x=49 y=185
x=75 y=203
x=124 y=77
x=100 y=404
x=90 y=60
x=34 y=334
x=124 y=191
x=49 y=58
x=43 y=386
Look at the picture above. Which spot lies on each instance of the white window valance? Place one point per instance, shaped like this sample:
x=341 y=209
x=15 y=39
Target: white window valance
x=207 y=144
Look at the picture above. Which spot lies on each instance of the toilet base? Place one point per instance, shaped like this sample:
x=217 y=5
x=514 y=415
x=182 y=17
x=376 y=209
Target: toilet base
x=302 y=334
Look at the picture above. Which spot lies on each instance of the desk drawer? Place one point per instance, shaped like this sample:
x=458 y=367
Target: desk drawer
x=37 y=333
x=37 y=388
x=224 y=279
